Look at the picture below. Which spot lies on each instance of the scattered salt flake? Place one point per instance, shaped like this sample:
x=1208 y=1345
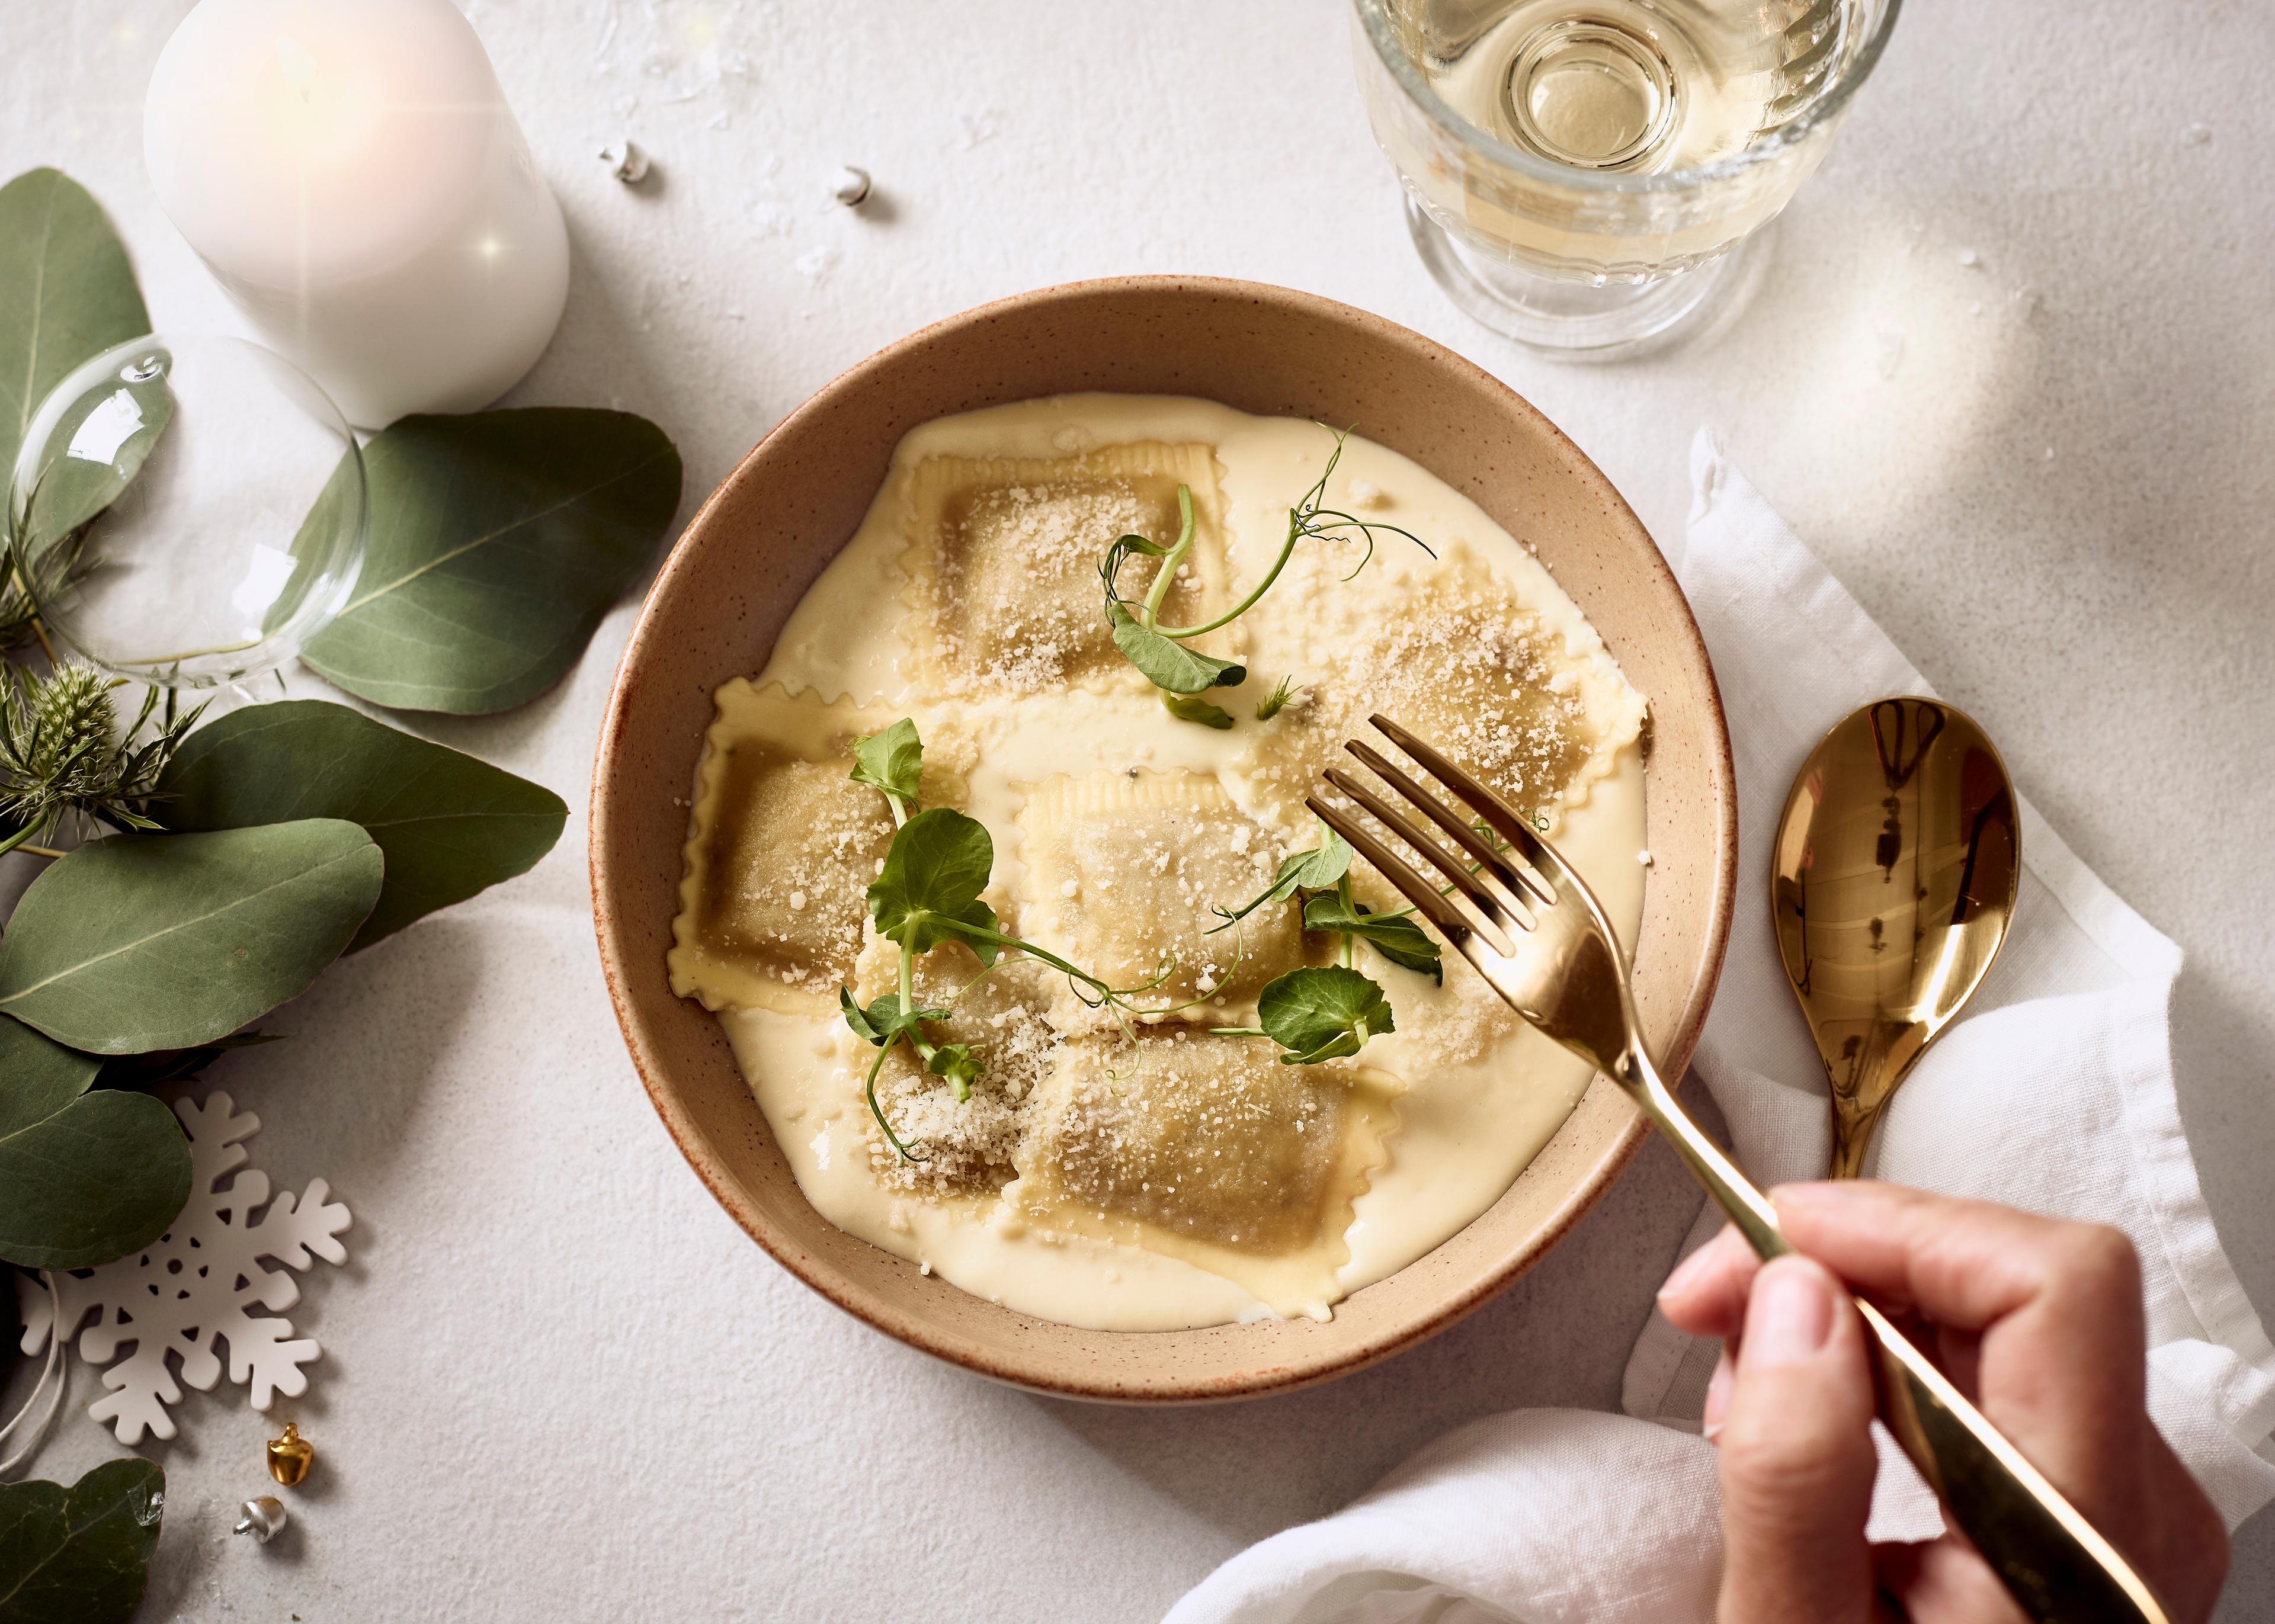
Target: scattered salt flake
x=1969 y=258
x=798 y=902
x=977 y=126
x=816 y=261
x=1975 y=309
x=924 y=1268
x=1070 y=887
x=2196 y=135
x=1366 y=494
x=2050 y=454
x=1644 y=857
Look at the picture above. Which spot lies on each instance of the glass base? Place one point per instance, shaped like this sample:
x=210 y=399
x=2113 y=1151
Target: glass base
x=1577 y=320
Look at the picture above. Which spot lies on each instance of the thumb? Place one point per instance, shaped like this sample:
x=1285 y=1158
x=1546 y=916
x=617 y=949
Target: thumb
x=1797 y=1458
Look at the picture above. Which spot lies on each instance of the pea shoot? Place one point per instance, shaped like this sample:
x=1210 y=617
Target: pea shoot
x=1183 y=676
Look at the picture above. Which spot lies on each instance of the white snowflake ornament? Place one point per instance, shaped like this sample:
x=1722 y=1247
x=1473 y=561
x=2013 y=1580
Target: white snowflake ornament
x=195 y=1283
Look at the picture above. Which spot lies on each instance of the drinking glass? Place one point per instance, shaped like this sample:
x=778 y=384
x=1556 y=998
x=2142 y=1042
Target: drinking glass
x=1588 y=176
x=187 y=511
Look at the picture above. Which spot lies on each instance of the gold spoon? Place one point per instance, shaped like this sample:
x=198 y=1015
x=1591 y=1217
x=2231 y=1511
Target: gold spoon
x=1892 y=886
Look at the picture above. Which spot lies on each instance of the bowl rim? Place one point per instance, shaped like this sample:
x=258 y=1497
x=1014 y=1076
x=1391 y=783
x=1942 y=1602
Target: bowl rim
x=611 y=931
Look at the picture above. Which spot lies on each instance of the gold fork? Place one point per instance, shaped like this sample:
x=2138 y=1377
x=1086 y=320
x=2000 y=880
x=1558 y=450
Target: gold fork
x=1514 y=909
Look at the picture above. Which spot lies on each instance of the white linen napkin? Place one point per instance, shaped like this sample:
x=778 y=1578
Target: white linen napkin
x=2054 y=1093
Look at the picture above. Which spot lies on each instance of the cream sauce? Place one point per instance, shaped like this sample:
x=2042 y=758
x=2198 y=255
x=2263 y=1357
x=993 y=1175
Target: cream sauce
x=1465 y=1132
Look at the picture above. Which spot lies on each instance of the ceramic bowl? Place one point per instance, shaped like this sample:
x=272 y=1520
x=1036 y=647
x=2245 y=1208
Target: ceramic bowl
x=765 y=534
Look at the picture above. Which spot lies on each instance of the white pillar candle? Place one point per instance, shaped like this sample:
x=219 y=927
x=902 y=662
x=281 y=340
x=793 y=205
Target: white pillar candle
x=350 y=173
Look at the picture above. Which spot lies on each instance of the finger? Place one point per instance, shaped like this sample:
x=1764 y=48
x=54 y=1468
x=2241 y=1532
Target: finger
x=2060 y=1363
x=1797 y=1461
x=1944 y=1582
x=1706 y=1294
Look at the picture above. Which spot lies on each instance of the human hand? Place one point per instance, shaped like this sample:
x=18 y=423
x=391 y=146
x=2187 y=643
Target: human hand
x=2037 y=1320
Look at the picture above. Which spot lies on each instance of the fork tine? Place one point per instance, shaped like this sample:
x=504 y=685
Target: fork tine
x=1532 y=892
x=1507 y=821
x=1481 y=902
x=1452 y=923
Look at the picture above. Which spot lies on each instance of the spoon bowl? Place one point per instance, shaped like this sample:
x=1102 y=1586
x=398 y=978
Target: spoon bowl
x=1893 y=883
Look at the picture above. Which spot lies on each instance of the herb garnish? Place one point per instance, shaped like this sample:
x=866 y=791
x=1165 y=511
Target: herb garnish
x=1321 y=1013
x=926 y=895
x=1180 y=674
x=1276 y=701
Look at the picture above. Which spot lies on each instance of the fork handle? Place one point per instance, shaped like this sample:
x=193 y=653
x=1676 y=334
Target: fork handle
x=2053 y=1562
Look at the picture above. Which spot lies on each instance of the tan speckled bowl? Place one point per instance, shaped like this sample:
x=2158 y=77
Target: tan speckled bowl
x=766 y=533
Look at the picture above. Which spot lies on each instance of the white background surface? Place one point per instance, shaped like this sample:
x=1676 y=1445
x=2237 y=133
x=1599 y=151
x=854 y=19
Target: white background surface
x=559 y=1383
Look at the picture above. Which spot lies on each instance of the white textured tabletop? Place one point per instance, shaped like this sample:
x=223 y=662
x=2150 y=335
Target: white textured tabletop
x=2013 y=374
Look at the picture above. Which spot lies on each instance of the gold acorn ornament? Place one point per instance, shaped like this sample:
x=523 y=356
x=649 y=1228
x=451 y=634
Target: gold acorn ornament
x=291 y=1456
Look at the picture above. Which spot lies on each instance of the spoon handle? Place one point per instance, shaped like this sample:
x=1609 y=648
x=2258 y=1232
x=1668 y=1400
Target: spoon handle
x=2053 y=1562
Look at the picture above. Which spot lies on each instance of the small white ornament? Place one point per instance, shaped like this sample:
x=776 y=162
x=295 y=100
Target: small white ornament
x=195 y=1283
x=851 y=186
x=625 y=160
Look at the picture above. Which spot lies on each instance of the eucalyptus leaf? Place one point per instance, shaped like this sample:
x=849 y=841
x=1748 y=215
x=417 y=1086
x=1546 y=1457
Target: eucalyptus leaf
x=498 y=540
x=126 y=421
x=81 y=1553
x=1322 y=1012
x=168 y=942
x=38 y=1076
x=450 y=825
x=1395 y=936
x=1169 y=664
x=105 y=1175
x=161 y=1067
x=892 y=762
x=66 y=293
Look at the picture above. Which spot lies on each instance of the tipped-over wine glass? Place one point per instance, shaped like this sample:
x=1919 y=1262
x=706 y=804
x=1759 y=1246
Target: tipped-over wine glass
x=1591 y=178
x=186 y=511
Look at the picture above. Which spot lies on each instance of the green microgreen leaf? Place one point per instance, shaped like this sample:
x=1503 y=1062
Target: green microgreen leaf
x=1393 y=935
x=958 y=1065
x=81 y=1553
x=1322 y=1012
x=1276 y=701
x=892 y=762
x=882 y=1021
x=1192 y=707
x=1167 y=664
x=1317 y=870
x=934 y=871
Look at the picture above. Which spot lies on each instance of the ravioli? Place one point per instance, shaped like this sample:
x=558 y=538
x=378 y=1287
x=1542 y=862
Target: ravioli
x=1004 y=594
x=782 y=848
x=959 y=1146
x=1468 y=665
x=1123 y=872
x=1209 y=1149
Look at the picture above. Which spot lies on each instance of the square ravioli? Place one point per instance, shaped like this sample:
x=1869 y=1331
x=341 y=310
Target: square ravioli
x=1004 y=594
x=1468 y=665
x=1124 y=871
x=784 y=844
x=1208 y=1149
x=960 y=1147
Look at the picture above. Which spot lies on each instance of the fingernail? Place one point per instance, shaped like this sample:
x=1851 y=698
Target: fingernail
x=1717 y=1396
x=1790 y=1315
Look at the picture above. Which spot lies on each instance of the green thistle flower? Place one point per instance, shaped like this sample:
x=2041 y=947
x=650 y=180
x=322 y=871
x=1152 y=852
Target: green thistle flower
x=62 y=754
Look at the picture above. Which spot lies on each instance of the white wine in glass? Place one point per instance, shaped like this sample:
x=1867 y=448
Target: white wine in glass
x=1580 y=172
